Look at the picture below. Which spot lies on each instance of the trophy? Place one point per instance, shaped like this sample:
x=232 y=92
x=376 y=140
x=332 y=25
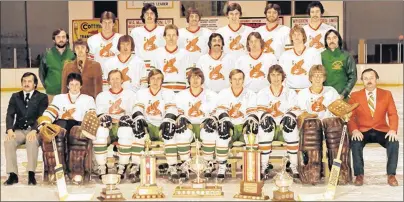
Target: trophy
x=283 y=181
x=148 y=188
x=111 y=192
x=251 y=186
x=198 y=187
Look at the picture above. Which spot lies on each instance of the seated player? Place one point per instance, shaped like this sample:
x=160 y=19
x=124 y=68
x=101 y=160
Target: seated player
x=67 y=111
x=315 y=100
x=114 y=109
x=276 y=108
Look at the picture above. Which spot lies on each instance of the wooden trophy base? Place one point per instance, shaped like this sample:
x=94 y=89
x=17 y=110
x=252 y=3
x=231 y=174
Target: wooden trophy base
x=198 y=190
x=283 y=196
x=111 y=195
x=148 y=192
x=251 y=191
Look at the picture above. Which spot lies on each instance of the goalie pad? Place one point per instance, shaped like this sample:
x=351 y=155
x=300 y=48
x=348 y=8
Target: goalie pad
x=48 y=155
x=333 y=128
x=251 y=124
x=167 y=127
x=80 y=149
x=309 y=153
x=89 y=125
x=226 y=128
x=289 y=122
x=139 y=125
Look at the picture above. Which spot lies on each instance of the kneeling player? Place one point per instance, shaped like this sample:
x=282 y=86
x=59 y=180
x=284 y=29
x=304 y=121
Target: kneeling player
x=277 y=107
x=67 y=111
x=114 y=109
x=315 y=100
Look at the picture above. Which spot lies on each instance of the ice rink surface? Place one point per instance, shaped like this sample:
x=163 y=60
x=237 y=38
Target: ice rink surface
x=375 y=186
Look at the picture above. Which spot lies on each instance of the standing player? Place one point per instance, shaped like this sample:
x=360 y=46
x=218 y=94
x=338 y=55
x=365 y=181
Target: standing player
x=297 y=62
x=172 y=61
x=216 y=64
x=316 y=30
x=104 y=45
x=131 y=66
x=256 y=64
x=275 y=36
x=194 y=39
x=234 y=34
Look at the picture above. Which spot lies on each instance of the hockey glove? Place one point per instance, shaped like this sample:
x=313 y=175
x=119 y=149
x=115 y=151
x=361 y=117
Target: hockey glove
x=267 y=123
x=106 y=121
x=251 y=124
x=139 y=125
x=289 y=122
x=182 y=124
x=210 y=124
x=167 y=128
x=225 y=126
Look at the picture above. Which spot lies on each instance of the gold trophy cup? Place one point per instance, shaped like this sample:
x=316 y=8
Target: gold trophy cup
x=251 y=186
x=111 y=192
x=283 y=181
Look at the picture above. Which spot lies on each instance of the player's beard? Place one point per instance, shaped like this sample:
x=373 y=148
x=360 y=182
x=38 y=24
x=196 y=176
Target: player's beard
x=61 y=46
x=272 y=19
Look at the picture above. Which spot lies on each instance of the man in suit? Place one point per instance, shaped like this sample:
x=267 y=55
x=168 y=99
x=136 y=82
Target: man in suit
x=368 y=125
x=28 y=105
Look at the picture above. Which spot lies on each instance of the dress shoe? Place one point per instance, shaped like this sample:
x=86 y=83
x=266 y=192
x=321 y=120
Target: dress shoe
x=391 y=179
x=359 y=180
x=12 y=179
x=31 y=178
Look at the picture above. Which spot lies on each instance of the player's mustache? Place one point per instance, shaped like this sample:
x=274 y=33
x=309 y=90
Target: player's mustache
x=369 y=83
x=217 y=45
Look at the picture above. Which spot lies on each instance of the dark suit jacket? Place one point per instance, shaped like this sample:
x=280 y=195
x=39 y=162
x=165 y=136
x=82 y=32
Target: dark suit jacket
x=25 y=116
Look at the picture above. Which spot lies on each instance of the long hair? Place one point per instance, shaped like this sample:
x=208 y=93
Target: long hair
x=153 y=8
x=214 y=35
x=338 y=35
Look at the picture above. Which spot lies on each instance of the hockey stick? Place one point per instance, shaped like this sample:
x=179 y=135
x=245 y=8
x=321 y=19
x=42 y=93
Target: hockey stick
x=60 y=175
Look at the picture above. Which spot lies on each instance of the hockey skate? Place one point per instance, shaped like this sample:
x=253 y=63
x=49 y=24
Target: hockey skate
x=209 y=170
x=184 y=171
x=173 y=173
x=121 y=170
x=162 y=169
x=221 y=173
x=292 y=169
x=134 y=175
x=266 y=170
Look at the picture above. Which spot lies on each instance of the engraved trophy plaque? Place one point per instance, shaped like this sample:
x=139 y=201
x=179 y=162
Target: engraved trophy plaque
x=111 y=192
x=283 y=181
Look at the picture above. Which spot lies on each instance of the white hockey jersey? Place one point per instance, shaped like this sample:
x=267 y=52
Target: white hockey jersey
x=237 y=106
x=275 y=38
x=102 y=49
x=155 y=106
x=173 y=65
x=147 y=41
x=317 y=103
x=235 y=40
x=216 y=72
x=196 y=107
x=256 y=70
x=277 y=106
x=133 y=70
x=110 y=103
x=297 y=67
x=195 y=43
x=62 y=107
x=315 y=36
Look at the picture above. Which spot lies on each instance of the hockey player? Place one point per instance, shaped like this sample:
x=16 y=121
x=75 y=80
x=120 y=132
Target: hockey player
x=193 y=38
x=148 y=37
x=234 y=34
x=172 y=61
x=275 y=36
x=114 y=109
x=216 y=65
x=256 y=63
x=104 y=44
x=131 y=66
x=67 y=111
x=315 y=30
x=315 y=100
x=297 y=62
x=276 y=108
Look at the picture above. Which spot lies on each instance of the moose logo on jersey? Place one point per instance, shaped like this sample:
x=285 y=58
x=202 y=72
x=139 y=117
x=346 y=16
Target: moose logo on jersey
x=234 y=111
x=149 y=44
x=215 y=73
x=297 y=68
x=68 y=114
x=316 y=41
x=116 y=107
x=194 y=110
x=192 y=47
x=267 y=47
x=317 y=105
x=235 y=43
x=125 y=76
x=274 y=109
x=256 y=71
x=106 y=51
x=153 y=110
x=169 y=66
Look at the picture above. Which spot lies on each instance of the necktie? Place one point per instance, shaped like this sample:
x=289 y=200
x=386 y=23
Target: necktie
x=26 y=99
x=371 y=103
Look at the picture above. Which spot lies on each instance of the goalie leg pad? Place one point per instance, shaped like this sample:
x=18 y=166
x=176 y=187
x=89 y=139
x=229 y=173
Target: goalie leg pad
x=333 y=128
x=49 y=156
x=309 y=153
x=125 y=139
x=79 y=154
x=100 y=145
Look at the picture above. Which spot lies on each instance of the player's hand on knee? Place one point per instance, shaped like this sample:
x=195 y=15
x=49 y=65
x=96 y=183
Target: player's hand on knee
x=267 y=123
x=225 y=126
x=167 y=127
x=105 y=121
x=210 y=124
x=251 y=124
x=182 y=124
x=125 y=121
x=357 y=135
x=139 y=125
x=289 y=122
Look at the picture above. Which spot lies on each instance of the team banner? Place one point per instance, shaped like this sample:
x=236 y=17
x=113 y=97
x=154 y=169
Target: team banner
x=83 y=29
x=132 y=23
x=140 y=4
x=329 y=20
x=256 y=22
